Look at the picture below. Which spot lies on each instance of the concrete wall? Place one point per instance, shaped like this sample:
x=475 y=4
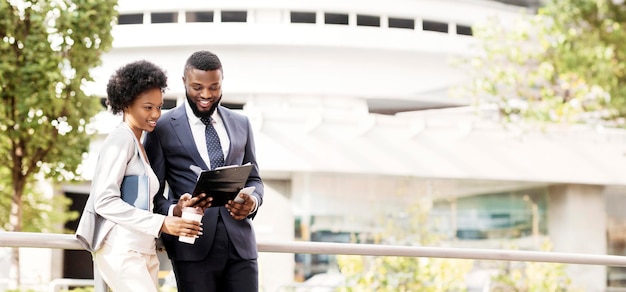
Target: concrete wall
x=275 y=222
x=577 y=224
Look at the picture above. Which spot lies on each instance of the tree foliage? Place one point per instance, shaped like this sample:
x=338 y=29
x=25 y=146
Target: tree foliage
x=46 y=52
x=366 y=273
x=532 y=276
x=563 y=65
x=47 y=49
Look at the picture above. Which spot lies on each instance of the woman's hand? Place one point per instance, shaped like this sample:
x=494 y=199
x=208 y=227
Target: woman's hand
x=181 y=227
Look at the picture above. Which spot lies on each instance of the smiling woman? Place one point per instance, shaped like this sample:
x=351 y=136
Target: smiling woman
x=136 y=90
x=120 y=233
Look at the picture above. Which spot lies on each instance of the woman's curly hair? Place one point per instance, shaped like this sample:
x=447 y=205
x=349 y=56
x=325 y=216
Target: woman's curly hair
x=130 y=81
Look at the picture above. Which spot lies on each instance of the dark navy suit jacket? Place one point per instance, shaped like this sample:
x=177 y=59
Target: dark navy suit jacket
x=171 y=150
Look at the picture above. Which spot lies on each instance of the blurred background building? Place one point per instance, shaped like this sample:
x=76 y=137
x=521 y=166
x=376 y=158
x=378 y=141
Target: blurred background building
x=353 y=122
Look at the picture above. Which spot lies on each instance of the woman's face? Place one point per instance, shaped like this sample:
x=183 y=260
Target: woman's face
x=145 y=110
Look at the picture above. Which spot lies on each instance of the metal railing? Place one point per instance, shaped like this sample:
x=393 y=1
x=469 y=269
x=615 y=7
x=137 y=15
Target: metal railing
x=64 y=284
x=68 y=241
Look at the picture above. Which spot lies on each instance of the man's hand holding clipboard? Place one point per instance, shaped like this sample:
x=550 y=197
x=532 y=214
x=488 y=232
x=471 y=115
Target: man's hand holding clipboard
x=221 y=185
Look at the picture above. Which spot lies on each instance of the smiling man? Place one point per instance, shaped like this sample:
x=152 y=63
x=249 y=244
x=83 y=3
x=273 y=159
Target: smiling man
x=202 y=133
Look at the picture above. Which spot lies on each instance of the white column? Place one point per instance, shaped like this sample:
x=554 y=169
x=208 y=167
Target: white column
x=182 y=16
x=275 y=222
x=577 y=223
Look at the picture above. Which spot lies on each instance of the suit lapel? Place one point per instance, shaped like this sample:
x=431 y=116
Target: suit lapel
x=183 y=133
x=230 y=126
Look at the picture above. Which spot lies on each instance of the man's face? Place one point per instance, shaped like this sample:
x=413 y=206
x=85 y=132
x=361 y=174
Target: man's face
x=203 y=90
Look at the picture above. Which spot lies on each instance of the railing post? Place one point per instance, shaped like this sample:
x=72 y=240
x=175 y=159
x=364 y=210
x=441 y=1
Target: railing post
x=98 y=281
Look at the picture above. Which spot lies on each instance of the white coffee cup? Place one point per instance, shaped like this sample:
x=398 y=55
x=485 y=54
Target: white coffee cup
x=193 y=214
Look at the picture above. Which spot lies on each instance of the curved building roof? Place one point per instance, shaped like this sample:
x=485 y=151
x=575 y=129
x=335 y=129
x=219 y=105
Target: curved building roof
x=326 y=83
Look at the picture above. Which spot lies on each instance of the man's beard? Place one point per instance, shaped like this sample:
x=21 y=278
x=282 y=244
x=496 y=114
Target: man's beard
x=197 y=112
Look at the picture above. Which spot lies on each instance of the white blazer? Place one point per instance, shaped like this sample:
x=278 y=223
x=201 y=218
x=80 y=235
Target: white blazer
x=119 y=156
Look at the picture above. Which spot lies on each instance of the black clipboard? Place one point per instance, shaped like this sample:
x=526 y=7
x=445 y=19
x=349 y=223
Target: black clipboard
x=223 y=183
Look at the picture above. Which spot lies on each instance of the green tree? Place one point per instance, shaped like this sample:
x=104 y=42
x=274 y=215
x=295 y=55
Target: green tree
x=410 y=228
x=532 y=276
x=47 y=49
x=563 y=65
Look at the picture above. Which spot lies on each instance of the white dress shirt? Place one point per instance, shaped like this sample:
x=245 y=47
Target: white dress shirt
x=197 y=130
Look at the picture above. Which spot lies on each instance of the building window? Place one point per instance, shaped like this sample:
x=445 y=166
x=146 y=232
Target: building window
x=302 y=17
x=168 y=103
x=130 y=19
x=336 y=18
x=401 y=23
x=233 y=105
x=504 y=215
x=463 y=30
x=234 y=16
x=199 y=16
x=367 y=20
x=437 y=26
x=164 y=17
